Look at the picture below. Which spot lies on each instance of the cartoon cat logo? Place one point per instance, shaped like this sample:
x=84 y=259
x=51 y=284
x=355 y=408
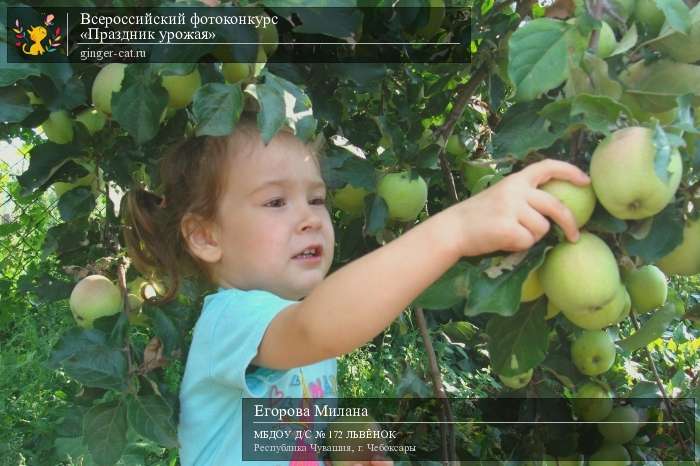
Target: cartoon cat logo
x=30 y=41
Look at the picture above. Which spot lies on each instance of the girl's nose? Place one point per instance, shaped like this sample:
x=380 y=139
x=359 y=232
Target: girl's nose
x=310 y=218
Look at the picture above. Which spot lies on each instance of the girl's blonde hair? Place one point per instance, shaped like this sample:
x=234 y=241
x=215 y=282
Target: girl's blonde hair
x=192 y=180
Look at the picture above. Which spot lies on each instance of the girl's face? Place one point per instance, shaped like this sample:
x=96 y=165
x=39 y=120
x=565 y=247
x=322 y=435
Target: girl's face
x=271 y=210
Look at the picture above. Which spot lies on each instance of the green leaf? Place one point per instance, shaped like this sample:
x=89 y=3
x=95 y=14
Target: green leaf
x=72 y=448
x=538 y=55
x=341 y=22
x=651 y=329
x=656 y=86
x=365 y=75
x=591 y=77
x=645 y=389
x=628 y=41
x=461 y=332
x=45 y=161
x=10 y=73
x=448 y=290
x=378 y=214
x=665 y=234
x=677 y=14
x=152 y=417
x=603 y=221
x=522 y=131
x=9 y=228
x=563 y=369
x=78 y=202
x=297 y=106
x=663 y=154
x=216 y=108
x=518 y=343
x=139 y=104
x=271 y=116
x=86 y=356
x=14 y=104
x=104 y=431
x=501 y=295
x=600 y=113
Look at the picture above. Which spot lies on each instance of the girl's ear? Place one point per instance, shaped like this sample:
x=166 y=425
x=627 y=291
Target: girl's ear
x=201 y=238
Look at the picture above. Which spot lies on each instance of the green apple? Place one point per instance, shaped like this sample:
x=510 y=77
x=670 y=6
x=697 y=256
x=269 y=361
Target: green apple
x=624 y=177
x=625 y=312
x=606 y=41
x=474 y=172
x=621 y=425
x=359 y=451
x=136 y=317
x=455 y=146
x=58 y=127
x=93 y=297
x=236 y=72
x=580 y=200
x=531 y=288
x=593 y=352
x=647 y=288
x=435 y=18
x=649 y=16
x=552 y=310
x=568 y=264
x=592 y=402
x=405 y=197
x=610 y=454
x=350 y=199
x=516 y=381
x=603 y=316
x=93 y=119
x=107 y=81
x=685 y=258
x=181 y=89
x=269 y=38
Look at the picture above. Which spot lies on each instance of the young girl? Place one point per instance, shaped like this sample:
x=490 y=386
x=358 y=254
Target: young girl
x=252 y=220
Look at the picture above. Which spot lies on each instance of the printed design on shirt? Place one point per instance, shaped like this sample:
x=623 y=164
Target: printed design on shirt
x=305 y=456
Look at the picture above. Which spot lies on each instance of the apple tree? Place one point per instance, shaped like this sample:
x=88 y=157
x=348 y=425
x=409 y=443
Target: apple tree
x=609 y=322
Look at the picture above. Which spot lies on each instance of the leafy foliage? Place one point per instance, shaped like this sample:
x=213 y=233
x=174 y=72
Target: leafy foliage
x=532 y=91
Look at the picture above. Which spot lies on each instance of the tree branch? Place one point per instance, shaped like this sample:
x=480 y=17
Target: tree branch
x=659 y=383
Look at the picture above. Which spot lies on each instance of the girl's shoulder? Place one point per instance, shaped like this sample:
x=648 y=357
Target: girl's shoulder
x=243 y=298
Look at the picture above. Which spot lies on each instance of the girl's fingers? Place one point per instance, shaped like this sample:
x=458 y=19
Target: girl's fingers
x=519 y=238
x=541 y=172
x=535 y=223
x=550 y=206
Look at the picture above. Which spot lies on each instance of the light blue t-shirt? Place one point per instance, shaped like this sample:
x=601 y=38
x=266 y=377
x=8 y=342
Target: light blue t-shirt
x=225 y=340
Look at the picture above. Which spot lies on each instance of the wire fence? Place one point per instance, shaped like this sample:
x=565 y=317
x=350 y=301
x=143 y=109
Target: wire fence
x=25 y=220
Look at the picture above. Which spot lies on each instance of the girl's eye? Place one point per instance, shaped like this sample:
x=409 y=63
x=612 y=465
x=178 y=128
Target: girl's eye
x=275 y=203
x=319 y=201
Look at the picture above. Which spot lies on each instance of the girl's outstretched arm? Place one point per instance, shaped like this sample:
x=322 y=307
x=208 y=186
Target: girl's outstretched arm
x=359 y=300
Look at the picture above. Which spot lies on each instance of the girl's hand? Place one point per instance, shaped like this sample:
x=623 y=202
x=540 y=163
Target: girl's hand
x=511 y=215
